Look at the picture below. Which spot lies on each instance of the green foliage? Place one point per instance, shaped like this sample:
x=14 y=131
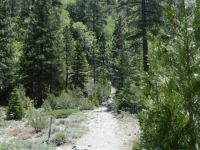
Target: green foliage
x=127 y=98
x=84 y=104
x=8 y=65
x=80 y=68
x=36 y=119
x=99 y=96
x=42 y=61
x=60 y=138
x=95 y=101
x=73 y=100
x=23 y=97
x=101 y=92
x=61 y=121
x=51 y=99
x=47 y=106
x=169 y=119
x=136 y=146
x=113 y=106
x=64 y=101
x=15 y=107
x=62 y=113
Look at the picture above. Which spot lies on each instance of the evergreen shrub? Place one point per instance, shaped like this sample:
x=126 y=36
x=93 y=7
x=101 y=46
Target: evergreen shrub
x=15 y=107
x=22 y=94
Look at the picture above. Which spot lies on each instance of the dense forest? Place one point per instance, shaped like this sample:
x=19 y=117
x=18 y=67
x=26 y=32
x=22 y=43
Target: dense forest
x=147 y=49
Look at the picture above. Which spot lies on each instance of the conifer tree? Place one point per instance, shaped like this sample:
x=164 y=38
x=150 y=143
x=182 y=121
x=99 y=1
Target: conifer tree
x=79 y=75
x=170 y=116
x=69 y=48
x=42 y=62
x=15 y=107
x=7 y=68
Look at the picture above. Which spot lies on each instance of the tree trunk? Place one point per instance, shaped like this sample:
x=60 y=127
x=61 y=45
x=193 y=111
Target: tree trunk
x=39 y=93
x=144 y=39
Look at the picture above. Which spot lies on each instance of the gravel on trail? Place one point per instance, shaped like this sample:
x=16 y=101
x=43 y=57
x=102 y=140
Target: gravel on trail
x=106 y=132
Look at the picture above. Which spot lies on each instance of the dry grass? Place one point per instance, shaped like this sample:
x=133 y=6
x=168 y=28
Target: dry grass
x=14 y=132
x=25 y=136
x=20 y=130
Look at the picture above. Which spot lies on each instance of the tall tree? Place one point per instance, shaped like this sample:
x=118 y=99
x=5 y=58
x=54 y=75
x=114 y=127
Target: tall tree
x=42 y=62
x=95 y=17
x=140 y=15
x=77 y=11
x=79 y=75
x=69 y=48
x=79 y=65
x=170 y=119
x=6 y=53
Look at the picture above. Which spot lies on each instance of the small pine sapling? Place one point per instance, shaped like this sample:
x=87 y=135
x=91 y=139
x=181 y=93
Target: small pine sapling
x=15 y=107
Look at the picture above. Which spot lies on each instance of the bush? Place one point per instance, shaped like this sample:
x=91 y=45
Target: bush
x=102 y=91
x=136 y=146
x=47 y=106
x=62 y=113
x=113 y=106
x=60 y=138
x=51 y=100
x=84 y=104
x=68 y=101
x=95 y=101
x=61 y=122
x=99 y=96
x=76 y=93
x=65 y=101
x=15 y=107
x=36 y=119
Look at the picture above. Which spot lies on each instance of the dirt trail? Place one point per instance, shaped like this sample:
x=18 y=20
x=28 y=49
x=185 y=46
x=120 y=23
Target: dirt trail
x=106 y=132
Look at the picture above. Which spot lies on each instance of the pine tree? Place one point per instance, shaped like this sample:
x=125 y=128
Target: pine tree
x=7 y=69
x=42 y=62
x=170 y=119
x=69 y=48
x=140 y=15
x=79 y=75
x=15 y=107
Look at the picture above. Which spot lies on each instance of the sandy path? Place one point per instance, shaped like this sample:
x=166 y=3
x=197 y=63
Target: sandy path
x=104 y=133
